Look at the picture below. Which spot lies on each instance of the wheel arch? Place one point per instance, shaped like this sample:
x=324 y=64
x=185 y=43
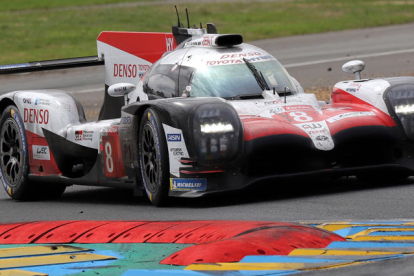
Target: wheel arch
x=4 y=103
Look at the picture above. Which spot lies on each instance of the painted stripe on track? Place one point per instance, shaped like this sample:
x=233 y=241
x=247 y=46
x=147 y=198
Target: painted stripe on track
x=19 y=272
x=142 y=272
x=52 y=259
x=355 y=244
x=262 y=266
x=338 y=252
x=300 y=64
x=39 y=250
x=384 y=238
x=285 y=259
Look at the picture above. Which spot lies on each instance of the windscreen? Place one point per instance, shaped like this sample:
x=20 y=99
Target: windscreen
x=233 y=80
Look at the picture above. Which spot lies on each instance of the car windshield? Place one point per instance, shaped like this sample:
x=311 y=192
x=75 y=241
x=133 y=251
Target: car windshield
x=230 y=81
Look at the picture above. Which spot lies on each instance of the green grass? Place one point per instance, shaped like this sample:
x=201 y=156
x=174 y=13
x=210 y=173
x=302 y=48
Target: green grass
x=29 y=31
x=22 y=5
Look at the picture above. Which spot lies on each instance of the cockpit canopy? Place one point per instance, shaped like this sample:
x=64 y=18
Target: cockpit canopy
x=227 y=72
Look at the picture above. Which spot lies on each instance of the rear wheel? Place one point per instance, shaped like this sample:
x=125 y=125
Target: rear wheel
x=14 y=159
x=153 y=158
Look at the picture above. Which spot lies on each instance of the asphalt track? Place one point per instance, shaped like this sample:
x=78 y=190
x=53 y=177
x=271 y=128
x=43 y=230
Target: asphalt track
x=315 y=60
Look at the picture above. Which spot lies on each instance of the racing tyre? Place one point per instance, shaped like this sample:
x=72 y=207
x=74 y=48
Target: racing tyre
x=14 y=157
x=153 y=158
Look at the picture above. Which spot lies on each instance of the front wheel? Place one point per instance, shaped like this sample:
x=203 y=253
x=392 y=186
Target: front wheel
x=153 y=158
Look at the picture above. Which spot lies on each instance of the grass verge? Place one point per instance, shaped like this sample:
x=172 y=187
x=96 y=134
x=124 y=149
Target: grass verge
x=32 y=32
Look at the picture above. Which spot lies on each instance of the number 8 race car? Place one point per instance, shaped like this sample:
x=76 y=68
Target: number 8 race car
x=195 y=112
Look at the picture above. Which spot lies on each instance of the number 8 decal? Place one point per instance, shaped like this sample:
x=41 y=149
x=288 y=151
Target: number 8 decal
x=109 y=162
x=300 y=116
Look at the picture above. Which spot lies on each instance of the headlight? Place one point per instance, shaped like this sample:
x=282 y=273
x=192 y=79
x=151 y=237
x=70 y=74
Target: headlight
x=217 y=133
x=401 y=100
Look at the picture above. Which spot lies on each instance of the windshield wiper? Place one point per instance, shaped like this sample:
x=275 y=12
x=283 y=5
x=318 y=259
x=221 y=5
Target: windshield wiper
x=257 y=75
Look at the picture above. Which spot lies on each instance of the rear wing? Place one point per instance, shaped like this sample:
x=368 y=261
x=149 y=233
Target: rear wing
x=45 y=65
x=126 y=57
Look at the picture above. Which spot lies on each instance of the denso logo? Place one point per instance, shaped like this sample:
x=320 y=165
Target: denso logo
x=129 y=70
x=174 y=137
x=38 y=116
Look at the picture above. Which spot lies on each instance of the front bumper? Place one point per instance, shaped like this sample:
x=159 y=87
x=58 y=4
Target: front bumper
x=357 y=151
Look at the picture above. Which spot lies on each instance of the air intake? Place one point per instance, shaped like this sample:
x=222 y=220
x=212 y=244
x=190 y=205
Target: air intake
x=229 y=40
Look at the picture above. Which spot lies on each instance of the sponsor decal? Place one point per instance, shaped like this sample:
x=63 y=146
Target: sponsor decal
x=169 y=41
x=27 y=100
x=357 y=85
x=81 y=135
x=299 y=107
x=208 y=40
x=350 y=115
x=351 y=89
x=319 y=134
x=78 y=135
x=174 y=137
x=338 y=108
x=188 y=184
x=177 y=152
x=42 y=102
x=41 y=152
x=38 y=116
x=311 y=126
x=277 y=110
x=238 y=58
x=129 y=70
x=321 y=138
x=120 y=89
x=272 y=102
x=126 y=120
x=193 y=43
x=177 y=148
x=241 y=55
x=112 y=129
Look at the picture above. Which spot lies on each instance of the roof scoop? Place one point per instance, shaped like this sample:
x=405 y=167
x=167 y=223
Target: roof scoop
x=229 y=40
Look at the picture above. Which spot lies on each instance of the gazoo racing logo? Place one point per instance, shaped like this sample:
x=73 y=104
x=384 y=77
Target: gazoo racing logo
x=173 y=137
x=78 y=135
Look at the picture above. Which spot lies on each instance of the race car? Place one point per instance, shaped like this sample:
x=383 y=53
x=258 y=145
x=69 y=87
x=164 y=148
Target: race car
x=194 y=112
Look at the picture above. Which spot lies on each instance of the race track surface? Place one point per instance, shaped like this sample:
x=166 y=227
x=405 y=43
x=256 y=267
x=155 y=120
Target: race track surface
x=315 y=60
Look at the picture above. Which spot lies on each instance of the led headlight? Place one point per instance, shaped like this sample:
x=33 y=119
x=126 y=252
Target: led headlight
x=217 y=133
x=401 y=100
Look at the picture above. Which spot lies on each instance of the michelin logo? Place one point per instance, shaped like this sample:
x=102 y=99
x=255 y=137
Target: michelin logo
x=174 y=137
x=188 y=184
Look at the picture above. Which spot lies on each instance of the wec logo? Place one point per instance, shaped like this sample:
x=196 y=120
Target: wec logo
x=174 y=137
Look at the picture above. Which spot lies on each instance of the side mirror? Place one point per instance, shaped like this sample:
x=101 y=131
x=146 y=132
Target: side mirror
x=354 y=67
x=120 y=89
